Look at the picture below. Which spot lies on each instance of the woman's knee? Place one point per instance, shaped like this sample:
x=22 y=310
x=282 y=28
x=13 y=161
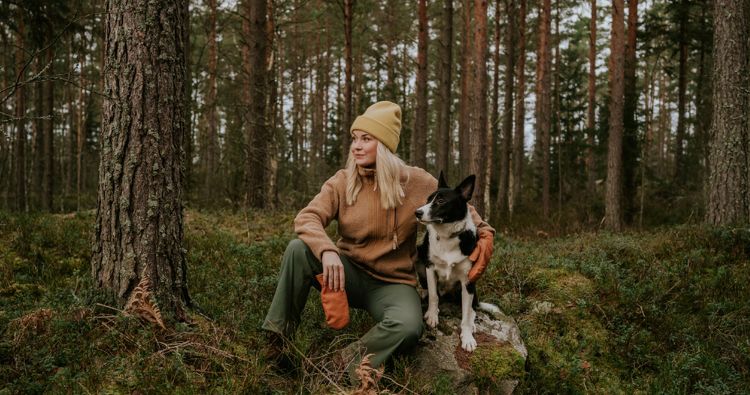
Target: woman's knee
x=407 y=329
x=296 y=246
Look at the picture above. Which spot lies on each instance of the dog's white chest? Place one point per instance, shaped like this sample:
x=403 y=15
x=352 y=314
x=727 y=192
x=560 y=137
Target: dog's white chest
x=450 y=265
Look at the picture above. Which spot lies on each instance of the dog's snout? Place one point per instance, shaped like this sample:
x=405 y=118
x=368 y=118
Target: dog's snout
x=419 y=213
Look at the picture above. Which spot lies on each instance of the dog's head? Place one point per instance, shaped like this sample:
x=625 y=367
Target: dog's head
x=447 y=204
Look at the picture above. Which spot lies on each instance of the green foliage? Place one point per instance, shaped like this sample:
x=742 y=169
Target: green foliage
x=494 y=363
x=660 y=311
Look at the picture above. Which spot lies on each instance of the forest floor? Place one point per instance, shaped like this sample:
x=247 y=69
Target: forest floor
x=659 y=311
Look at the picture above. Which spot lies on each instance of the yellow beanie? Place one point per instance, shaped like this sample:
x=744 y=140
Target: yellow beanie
x=382 y=120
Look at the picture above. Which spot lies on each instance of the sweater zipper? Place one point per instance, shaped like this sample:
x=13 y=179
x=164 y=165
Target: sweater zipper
x=395 y=233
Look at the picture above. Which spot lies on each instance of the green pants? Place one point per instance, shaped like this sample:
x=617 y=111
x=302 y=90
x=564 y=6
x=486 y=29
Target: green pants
x=396 y=307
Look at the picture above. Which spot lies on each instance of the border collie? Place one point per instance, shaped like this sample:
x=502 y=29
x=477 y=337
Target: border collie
x=443 y=265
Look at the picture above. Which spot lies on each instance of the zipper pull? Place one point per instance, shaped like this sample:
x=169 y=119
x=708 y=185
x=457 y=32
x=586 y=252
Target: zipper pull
x=395 y=240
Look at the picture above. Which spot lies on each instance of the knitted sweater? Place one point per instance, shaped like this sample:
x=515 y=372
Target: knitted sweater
x=382 y=242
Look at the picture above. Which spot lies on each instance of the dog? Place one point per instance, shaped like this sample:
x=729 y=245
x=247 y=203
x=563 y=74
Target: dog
x=443 y=263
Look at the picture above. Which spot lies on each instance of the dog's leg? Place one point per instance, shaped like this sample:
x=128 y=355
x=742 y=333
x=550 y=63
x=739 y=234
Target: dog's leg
x=467 y=319
x=431 y=316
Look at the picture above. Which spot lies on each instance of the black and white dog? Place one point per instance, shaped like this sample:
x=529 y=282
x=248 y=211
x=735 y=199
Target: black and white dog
x=443 y=265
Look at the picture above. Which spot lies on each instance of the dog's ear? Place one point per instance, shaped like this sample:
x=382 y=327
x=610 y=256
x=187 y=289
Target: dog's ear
x=441 y=181
x=466 y=188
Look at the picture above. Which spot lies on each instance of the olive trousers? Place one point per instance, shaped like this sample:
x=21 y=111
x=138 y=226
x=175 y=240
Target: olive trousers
x=396 y=307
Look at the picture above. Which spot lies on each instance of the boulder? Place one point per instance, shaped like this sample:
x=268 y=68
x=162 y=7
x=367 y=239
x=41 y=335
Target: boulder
x=495 y=366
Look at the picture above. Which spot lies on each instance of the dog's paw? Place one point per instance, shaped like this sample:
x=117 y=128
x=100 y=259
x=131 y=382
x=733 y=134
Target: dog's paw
x=431 y=318
x=467 y=342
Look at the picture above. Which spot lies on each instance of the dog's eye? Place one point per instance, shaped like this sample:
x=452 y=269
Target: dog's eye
x=439 y=201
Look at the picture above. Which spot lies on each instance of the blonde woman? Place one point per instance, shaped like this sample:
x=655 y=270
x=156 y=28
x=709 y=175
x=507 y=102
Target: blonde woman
x=373 y=200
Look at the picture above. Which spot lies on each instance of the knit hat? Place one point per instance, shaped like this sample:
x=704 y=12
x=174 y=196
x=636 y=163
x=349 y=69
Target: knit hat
x=382 y=120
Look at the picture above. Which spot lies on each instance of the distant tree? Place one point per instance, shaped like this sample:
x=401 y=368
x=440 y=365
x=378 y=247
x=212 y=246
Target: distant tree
x=591 y=106
x=680 y=137
x=20 y=104
x=630 y=124
x=348 y=105
x=518 y=137
x=443 y=99
x=138 y=255
x=729 y=175
x=543 y=103
x=419 y=135
x=507 y=130
x=208 y=142
x=613 y=213
x=479 y=146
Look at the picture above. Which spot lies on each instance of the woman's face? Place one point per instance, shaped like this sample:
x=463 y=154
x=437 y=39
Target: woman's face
x=364 y=148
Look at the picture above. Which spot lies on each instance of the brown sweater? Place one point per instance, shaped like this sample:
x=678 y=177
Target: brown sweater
x=382 y=242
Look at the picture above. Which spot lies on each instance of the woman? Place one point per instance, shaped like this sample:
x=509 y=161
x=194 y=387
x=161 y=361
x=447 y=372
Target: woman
x=373 y=199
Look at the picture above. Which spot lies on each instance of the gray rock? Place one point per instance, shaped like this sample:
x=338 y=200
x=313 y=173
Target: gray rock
x=500 y=351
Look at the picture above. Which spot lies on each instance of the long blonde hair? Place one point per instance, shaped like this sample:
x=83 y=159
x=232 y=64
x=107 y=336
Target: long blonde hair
x=388 y=167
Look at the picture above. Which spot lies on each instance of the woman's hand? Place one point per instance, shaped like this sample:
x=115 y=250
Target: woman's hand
x=333 y=271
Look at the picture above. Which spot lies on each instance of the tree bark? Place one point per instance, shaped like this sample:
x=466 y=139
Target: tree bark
x=479 y=144
x=518 y=137
x=543 y=103
x=630 y=124
x=20 y=98
x=729 y=177
x=591 y=107
x=444 y=99
x=419 y=135
x=48 y=152
x=139 y=228
x=679 y=151
x=507 y=130
x=258 y=133
x=613 y=211
x=208 y=144
x=464 y=105
x=348 y=106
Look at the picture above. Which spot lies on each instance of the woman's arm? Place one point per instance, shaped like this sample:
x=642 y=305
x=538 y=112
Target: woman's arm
x=312 y=220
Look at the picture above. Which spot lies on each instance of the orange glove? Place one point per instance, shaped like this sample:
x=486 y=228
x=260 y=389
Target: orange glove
x=481 y=255
x=335 y=305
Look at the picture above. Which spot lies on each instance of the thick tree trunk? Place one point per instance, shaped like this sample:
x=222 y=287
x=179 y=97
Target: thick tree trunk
x=518 y=137
x=729 y=177
x=444 y=99
x=419 y=135
x=348 y=106
x=138 y=247
x=543 y=103
x=479 y=146
x=613 y=211
x=630 y=124
x=507 y=130
x=20 y=98
x=258 y=133
x=591 y=107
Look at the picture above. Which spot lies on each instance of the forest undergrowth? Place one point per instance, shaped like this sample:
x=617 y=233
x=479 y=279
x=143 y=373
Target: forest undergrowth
x=659 y=311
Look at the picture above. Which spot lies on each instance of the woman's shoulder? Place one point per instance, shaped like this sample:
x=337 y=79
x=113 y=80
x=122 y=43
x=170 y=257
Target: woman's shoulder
x=420 y=176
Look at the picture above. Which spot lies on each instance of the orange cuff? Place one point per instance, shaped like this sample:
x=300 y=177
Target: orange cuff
x=481 y=255
x=335 y=305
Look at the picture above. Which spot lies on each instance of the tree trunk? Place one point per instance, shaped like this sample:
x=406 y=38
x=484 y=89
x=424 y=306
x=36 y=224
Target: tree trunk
x=591 y=107
x=138 y=256
x=613 y=211
x=679 y=151
x=543 y=103
x=518 y=137
x=444 y=98
x=210 y=122
x=348 y=106
x=464 y=105
x=419 y=135
x=258 y=134
x=48 y=151
x=479 y=146
x=729 y=177
x=20 y=154
x=630 y=124
x=507 y=130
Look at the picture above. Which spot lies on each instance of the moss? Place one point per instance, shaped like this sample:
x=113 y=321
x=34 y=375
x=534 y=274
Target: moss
x=494 y=363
